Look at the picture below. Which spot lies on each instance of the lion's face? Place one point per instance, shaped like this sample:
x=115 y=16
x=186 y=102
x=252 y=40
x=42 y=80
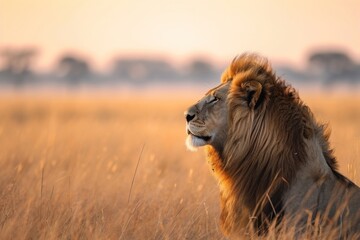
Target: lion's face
x=206 y=121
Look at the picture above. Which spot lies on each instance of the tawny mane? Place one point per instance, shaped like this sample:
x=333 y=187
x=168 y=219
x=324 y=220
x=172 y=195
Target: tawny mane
x=265 y=146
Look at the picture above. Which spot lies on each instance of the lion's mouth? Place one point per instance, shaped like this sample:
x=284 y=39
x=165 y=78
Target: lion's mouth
x=205 y=138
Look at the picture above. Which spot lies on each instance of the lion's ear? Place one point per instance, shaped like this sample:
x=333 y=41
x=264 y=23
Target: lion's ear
x=253 y=91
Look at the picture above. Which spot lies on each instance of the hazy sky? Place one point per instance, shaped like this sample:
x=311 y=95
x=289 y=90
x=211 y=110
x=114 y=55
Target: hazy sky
x=280 y=29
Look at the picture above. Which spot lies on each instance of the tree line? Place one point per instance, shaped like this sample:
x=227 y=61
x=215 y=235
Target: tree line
x=17 y=68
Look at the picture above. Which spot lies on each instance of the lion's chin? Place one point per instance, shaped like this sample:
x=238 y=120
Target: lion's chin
x=193 y=142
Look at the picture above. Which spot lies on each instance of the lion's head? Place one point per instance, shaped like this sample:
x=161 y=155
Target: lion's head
x=241 y=96
x=261 y=140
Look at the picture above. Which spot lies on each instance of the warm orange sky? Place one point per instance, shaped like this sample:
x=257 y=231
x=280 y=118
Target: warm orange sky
x=280 y=29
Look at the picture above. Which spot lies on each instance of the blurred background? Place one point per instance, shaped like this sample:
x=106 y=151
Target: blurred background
x=127 y=45
x=92 y=95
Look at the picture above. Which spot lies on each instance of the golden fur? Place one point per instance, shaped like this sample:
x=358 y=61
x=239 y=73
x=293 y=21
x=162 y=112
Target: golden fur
x=271 y=157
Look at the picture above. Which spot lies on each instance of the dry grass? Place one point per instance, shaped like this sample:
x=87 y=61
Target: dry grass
x=67 y=166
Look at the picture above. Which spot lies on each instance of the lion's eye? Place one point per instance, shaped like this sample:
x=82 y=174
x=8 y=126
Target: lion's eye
x=213 y=99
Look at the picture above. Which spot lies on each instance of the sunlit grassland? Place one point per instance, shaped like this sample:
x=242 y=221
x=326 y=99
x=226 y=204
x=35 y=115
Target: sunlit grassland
x=67 y=166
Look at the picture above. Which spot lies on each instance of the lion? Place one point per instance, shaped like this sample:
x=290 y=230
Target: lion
x=270 y=156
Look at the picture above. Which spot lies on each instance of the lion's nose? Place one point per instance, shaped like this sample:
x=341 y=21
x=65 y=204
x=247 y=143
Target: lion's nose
x=189 y=116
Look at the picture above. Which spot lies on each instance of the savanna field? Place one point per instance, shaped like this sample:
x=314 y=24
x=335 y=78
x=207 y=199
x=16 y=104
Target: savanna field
x=99 y=166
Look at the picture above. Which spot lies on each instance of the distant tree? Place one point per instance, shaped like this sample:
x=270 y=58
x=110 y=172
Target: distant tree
x=73 y=68
x=333 y=66
x=141 y=70
x=17 y=64
x=200 y=69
